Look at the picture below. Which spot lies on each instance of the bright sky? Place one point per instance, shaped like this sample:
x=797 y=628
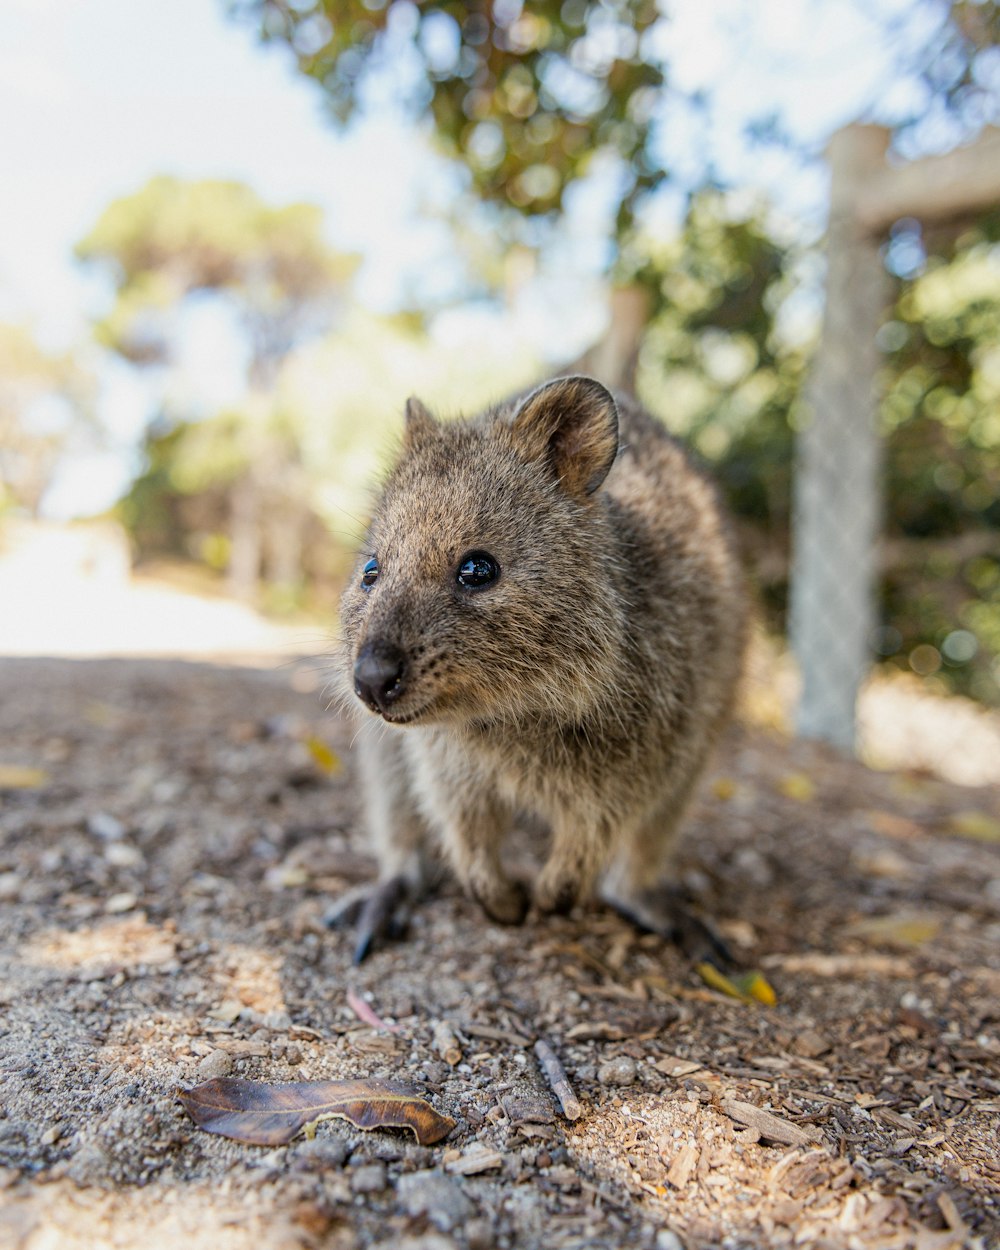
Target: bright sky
x=98 y=96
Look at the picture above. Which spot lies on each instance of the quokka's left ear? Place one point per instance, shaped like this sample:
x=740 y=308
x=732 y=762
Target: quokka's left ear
x=572 y=424
x=419 y=425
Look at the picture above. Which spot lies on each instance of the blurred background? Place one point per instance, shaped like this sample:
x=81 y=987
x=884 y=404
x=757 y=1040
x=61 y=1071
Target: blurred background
x=234 y=236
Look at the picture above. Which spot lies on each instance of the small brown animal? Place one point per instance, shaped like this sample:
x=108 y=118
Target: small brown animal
x=543 y=622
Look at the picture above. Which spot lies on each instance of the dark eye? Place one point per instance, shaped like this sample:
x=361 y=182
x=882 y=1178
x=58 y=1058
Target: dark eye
x=477 y=570
x=369 y=575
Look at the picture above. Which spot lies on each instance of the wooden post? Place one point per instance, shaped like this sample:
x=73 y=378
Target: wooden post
x=613 y=359
x=837 y=503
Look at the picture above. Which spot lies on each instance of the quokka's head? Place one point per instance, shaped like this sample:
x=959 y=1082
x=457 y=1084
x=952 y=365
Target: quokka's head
x=483 y=591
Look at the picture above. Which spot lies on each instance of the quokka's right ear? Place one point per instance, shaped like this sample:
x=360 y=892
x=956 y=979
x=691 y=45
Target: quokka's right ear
x=419 y=424
x=572 y=424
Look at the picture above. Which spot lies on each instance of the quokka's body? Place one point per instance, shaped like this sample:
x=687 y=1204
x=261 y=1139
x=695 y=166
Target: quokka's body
x=547 y=618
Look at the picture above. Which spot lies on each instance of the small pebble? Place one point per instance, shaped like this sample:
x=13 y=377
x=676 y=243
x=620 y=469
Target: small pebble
x=437 y=1196
x=369 y=1178
x=319 y=1154
x=104 y=825
x=619 y=1071
x=10 y=886
x=216 y=1063
x=479 y=1233
x=667 y=1240
x=118 y=903
x=123 y=855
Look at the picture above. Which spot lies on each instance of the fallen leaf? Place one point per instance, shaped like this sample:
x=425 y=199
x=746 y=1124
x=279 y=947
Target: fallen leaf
x=724 y=788
x=18 y=777
x=749 y=987
x=797 y=786
x=271 y=1115
x=756 y=985
x=905 y=928
x=324 y=757
x=976 y=825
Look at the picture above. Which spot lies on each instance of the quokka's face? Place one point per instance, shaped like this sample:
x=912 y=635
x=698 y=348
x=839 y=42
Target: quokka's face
x=465 y=601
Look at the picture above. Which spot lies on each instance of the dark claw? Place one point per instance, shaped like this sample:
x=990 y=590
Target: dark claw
x=384 y=914
x=375 y=912
x=699 y=942
x=665 y=910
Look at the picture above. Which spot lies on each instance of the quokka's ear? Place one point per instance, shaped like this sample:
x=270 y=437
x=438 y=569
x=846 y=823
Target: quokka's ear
x=419 y=424
x=572 y=423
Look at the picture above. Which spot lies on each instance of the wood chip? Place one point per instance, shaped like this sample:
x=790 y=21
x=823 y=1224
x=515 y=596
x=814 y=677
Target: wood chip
x=478 y=1158
x=770 y=1126
x=683 y=1166
x=670 y=1065
x=527 y=1108
x=446 y=1043
x=842 y=966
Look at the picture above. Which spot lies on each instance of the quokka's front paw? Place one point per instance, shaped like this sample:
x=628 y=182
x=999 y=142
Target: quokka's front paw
x=556 y=892
x=506 y=902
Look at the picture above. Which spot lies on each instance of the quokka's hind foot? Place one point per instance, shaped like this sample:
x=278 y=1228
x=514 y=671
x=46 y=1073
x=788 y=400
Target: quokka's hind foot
x=379 y=913
x=666 y=910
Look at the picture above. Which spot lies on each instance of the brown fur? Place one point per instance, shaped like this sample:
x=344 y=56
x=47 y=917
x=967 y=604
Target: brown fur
x=586 y=685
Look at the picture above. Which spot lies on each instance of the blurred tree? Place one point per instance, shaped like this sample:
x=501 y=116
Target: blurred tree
x=175 y=238
x=45 y=408
x=941 y=415
x=531 y=97
x=339 y=400
x=273 y=268
x=527 y=96
x=723 y=362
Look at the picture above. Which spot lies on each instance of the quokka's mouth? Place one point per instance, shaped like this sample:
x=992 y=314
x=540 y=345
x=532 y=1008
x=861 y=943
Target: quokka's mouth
x=392 y=717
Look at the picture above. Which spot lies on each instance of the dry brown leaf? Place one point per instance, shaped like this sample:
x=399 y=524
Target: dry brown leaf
x=271 y=1115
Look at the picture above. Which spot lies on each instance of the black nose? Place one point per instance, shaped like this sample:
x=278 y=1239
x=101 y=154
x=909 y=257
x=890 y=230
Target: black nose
x=378 y=674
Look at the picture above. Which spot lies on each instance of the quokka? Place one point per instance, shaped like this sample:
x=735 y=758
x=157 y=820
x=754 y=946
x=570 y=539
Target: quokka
x=547 y=619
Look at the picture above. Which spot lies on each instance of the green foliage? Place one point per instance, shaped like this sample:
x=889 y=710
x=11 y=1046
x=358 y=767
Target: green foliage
x=942 y=418
x=174 y=238
x=526 y=96
x=723 y=363
x=717 y=367
x=324 y=433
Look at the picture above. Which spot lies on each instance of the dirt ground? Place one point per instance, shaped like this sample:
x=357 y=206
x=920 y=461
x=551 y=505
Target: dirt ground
x=171 y=838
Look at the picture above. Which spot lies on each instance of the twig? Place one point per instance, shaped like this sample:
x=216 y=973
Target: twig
x=556 y=1076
